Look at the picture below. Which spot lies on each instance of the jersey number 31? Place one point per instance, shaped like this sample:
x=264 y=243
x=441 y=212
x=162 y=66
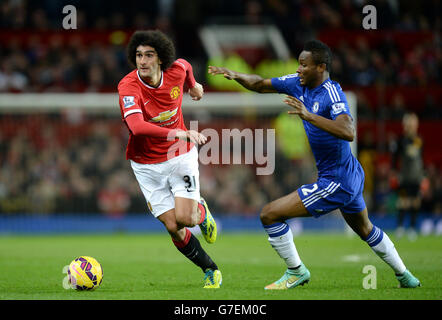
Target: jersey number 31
x=190 y=183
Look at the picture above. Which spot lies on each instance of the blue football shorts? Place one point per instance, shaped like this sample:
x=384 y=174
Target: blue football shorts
x=324 y=196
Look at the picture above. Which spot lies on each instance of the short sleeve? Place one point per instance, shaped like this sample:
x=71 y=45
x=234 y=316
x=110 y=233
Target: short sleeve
x=190 y=79
x=288 y=84
x=338 y=108
x=129 y=101
x=336 y=101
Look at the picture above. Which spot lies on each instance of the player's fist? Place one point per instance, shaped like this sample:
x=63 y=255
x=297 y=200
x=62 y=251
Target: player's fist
x=196 y=92
x=192 y=136
x=228 y=74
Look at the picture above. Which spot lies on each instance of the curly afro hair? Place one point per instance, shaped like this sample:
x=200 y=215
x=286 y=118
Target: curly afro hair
x=155 y=39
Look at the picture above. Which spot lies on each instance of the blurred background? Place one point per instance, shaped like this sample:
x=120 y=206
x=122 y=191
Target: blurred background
x=62 y=141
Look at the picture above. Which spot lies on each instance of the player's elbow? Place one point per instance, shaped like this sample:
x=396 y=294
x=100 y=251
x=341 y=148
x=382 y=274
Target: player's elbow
x=135 y=131
x=349 y=134
x=264 y=86
x=347 y=131
x=134 y=128
x=255 y=86
x=259 y=85
x=346 y=127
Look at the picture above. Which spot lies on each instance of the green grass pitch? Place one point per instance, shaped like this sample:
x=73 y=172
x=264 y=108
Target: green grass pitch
x=148 y=267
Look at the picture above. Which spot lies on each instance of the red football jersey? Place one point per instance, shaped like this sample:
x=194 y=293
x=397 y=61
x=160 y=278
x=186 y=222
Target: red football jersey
x=160 y=106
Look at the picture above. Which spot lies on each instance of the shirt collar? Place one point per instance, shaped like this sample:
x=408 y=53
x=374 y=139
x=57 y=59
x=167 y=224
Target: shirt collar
x=150 y=87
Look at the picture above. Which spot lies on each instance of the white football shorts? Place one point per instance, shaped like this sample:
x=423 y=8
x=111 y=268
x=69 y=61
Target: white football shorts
x=162 y=182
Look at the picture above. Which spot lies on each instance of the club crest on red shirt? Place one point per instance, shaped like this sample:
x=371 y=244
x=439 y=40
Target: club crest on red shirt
x=175 y=92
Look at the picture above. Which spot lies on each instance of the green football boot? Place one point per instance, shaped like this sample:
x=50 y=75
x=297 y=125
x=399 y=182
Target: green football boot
x=407 y=280
x=212 y=279
x=291 y=279
x=208 y=226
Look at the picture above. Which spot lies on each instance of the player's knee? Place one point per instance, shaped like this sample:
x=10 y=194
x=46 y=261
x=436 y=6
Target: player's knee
x=266 y=215
x=172 y=227
x=186 y=218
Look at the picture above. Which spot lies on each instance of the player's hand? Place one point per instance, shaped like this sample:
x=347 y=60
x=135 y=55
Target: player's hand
x=192 y=136
x=228 y=74
x=196 y=92
x=298 y=107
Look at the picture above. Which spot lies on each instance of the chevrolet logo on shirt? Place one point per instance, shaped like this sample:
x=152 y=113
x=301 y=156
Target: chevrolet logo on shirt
x=164 y=116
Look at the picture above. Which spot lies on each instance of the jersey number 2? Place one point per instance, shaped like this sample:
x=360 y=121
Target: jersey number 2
x=307 y=191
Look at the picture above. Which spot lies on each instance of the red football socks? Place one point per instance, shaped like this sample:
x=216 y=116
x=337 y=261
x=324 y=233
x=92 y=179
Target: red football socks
x=203 y=212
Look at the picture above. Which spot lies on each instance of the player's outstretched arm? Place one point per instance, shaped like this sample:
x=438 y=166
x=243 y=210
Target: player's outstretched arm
x=249 y=81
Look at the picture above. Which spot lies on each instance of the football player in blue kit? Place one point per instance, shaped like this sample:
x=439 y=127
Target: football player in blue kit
x=322 y=105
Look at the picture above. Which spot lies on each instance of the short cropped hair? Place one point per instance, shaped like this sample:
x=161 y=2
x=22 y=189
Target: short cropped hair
x=155 y=39
x=321 y=53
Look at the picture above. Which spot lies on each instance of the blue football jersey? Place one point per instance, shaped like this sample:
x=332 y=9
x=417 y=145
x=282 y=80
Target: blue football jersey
x=333 y=156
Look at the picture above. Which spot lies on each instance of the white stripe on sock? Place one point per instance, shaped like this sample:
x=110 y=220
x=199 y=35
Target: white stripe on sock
x=387 y=252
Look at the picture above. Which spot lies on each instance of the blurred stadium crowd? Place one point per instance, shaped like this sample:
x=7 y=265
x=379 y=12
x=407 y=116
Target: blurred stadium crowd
x=35 y=64
x=53 y=164
x=84 y=169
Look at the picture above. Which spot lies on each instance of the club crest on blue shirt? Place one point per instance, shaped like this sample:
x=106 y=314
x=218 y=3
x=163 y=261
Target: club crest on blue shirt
x=315 y=107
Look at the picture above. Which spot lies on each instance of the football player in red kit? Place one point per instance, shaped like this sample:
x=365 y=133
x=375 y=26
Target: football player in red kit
x=161 y=150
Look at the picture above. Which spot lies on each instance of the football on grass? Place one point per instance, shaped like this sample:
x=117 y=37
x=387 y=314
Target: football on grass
x=85 y=273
